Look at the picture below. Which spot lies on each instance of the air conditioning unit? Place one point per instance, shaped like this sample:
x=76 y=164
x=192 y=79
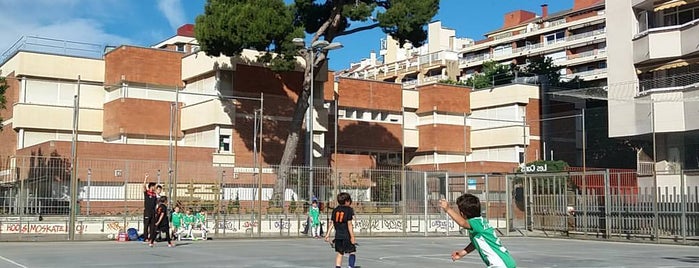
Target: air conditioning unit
x=118 y=173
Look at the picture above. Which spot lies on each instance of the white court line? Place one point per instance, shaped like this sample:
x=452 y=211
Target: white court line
x=13 y=262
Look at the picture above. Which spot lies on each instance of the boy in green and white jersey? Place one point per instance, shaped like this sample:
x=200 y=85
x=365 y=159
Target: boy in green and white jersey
x=177 y=222
x=188 y=220
x=482 y=236
x=201 y=223
x=314 y=214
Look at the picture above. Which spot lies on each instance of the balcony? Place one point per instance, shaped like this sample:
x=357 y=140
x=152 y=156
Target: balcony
x=539 y=48
x=666 y=42
x=588 y=75
x=600 y=18
x=425 y=81
x=53 y=117
x=671 y=83
x=497 y=137
x=585 y=57
x=408 y=65
x=53 y=47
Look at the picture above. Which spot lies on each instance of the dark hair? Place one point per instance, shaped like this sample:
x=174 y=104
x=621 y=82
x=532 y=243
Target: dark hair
x=314 y=202
x=469 y=205
x=344 y=199
x=159 y=187
x=151 y=184
x=163 y=199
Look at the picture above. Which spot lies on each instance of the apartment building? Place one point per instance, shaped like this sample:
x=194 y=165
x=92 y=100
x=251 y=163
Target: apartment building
x=574 y=38
x=653 y=76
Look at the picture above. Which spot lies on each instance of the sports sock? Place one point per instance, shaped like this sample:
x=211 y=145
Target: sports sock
x=352 y=259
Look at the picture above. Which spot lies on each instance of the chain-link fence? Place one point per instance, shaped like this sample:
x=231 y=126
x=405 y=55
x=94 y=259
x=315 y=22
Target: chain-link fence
x=35 y=197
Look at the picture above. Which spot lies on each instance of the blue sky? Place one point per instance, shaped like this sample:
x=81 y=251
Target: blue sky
x=146 y=22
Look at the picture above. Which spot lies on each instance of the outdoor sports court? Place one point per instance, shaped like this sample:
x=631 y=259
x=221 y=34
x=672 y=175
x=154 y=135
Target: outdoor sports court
x=372 y=252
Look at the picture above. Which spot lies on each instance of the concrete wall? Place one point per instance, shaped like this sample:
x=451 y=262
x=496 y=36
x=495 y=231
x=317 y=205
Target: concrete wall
x=623 y=118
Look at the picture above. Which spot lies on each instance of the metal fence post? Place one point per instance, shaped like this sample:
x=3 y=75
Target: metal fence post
x=125 y=175
x=683 y=200
x=424 y=180
x=607 y=199
x=508 y=206
x=448 y=198
x=87 y=192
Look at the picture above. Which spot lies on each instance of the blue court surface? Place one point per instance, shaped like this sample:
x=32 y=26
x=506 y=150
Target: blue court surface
x=372 y=252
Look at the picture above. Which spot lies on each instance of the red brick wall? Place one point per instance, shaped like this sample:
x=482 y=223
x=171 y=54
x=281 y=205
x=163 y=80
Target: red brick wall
x=444 y=98
x=370 y=95
x=194 y=164
x=274 y=139
x=143 y=65
x=11 y=95
x=470 y=167
x=533 y=117
x=8 y=141
x=369 y=135
x=353 y=161
x=329 y=87
x=136 y=116
x=581 y=4
x=444 y=138
x=581 y=16
x=516 y=17
x=254 y=79
x=8 y=137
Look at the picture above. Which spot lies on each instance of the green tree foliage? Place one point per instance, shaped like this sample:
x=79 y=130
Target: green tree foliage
x=229 y=26
x=3 y=101
x=492 y=74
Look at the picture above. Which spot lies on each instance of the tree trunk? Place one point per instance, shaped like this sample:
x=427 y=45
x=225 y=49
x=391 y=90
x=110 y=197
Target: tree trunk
x=292 y=139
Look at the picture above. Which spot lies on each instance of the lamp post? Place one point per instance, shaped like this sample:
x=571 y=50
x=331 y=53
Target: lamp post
x=317 y=46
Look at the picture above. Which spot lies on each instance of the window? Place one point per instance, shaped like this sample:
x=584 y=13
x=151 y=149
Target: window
x=180 y=47
x=675 y=16
x=503 y=50
x=224 y=142
x=555 y=38
x=686 y=16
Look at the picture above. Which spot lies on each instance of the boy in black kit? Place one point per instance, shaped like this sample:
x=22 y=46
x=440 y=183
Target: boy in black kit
x=150 y=201
x=162 y=224
x=344 y=242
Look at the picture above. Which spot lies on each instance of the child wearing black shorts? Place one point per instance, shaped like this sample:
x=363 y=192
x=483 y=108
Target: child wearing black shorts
x=162 y=224
x=344 y=241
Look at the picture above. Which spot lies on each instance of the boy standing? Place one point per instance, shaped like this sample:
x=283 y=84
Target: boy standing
x=177 y=222
x=482 y=236
x=344 y=242
x=150 y=201
x=162 y=223
x=314 y=214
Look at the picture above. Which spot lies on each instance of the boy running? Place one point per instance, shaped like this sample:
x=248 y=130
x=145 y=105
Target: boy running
x=314 y=214
x=162 y=223
x=344 y=242
x=482 y=236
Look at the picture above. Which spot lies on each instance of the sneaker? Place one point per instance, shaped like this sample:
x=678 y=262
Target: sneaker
x=170 y=245
x=150 y=245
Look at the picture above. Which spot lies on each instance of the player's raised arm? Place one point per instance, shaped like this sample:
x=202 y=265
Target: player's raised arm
x=145 y=182
x=455 y=215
